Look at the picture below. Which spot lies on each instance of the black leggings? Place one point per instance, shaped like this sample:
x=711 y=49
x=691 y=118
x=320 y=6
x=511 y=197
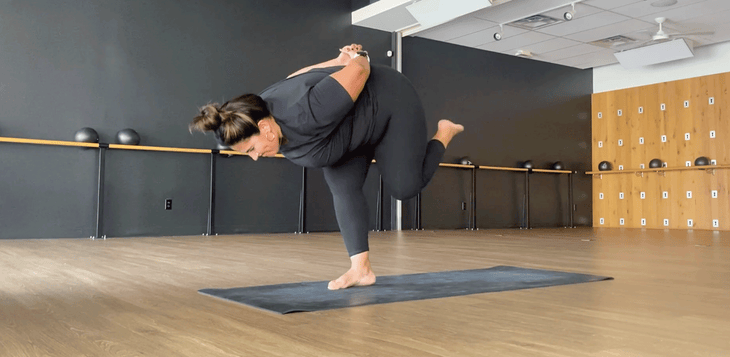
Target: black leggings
x=406 y=160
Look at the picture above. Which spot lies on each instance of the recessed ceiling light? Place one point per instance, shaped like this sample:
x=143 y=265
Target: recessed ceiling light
x=663 y=3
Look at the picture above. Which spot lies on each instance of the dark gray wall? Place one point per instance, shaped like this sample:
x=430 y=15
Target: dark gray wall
x=149 y=65
x=514 y=110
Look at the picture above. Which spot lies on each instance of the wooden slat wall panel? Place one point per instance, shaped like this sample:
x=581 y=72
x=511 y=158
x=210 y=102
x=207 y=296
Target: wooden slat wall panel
x=697 y=119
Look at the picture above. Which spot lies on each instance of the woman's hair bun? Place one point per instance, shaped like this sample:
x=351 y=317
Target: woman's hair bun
x=208 y=120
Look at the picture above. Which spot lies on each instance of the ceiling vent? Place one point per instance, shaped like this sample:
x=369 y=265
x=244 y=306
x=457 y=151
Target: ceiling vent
x=657 y=53
x=535 y=22
x=614 y=41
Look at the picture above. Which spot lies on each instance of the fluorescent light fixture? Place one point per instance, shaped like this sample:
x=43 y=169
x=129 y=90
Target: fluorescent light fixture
x=657 y=53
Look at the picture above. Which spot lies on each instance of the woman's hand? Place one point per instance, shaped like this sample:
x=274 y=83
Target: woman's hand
x=347 y=53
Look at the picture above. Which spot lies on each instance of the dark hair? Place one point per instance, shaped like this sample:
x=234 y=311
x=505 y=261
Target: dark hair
x=234 y=121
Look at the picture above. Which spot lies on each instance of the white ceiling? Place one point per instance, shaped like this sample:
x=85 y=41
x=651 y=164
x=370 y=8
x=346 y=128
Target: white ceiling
x=568 y=42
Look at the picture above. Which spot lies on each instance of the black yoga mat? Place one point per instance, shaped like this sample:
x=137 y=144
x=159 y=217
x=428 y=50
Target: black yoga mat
x=314 y=296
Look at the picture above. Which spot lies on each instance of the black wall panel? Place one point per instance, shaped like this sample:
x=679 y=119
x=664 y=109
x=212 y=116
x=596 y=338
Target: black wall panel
x=47 y=192
x=137 y=185
x=442 y=199
x=256 y=197
x=514 y=109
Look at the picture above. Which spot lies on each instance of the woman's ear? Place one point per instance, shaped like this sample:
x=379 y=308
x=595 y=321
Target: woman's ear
x=264 y=126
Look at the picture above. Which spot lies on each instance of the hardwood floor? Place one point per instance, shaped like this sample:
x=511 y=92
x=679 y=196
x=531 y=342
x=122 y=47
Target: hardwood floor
x=138 y=296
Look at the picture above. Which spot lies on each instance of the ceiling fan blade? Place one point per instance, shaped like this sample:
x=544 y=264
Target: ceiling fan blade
x=695 y=33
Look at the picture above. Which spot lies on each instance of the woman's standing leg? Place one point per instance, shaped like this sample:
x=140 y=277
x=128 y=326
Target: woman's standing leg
x=346 y=181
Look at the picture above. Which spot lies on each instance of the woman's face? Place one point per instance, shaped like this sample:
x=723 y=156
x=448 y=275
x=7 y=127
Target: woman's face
x=264 y=144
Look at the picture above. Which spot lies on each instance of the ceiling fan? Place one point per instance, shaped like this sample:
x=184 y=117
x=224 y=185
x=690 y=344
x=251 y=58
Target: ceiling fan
x=650 y=38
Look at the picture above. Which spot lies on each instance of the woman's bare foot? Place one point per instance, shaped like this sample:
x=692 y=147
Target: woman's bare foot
x=447 y=130
x=360 y=274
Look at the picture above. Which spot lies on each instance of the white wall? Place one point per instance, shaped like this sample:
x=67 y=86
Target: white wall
x=708 y=60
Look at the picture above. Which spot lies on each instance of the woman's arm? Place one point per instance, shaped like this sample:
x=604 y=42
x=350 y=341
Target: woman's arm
x=354 y=75
x=342 y=60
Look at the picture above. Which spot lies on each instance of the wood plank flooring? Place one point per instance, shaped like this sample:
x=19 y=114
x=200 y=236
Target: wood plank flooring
x=138 y=296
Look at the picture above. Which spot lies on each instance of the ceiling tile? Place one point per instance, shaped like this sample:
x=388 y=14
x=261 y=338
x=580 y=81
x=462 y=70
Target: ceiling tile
x=517 y=9
x=581 y=23
x=644 y=8
x=485 y=36
x=524 y=39
x=683 y=13
x=571 y=52
x=589 y=59
x=457 y=28
x=555 y=44
x=580 y=10
x=620 y=28
x=610 y=4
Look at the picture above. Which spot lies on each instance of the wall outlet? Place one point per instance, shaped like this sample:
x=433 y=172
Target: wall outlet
x=600 y=196
x=713 y=162
x=666 y=223
x=621 y=195
x=620 y=112
x=716 y=223
x=601 y=220
x=600 y=144
x=168 y=204
x=641 y=110
x=686 y=136
x=641 y=166
x=620 y=142
x=643 y=195
x=641 y=141
x=663 y=106
x=665 y=194
x=620 y=167
x=463 y=206
x=686 y=103
x=689 y=194
x=712 y=134
x=600 y=115
x=714 y=193
x=664 y=138
x=688 y=163
x=621 y=221
x=712 y=100
x=643 y=221
x=664 y=164
x=690 y=223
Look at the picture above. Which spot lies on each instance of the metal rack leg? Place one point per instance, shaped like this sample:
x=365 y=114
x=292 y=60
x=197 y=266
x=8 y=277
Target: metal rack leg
x=100 y=193
x=302 y=200
x=211 y=198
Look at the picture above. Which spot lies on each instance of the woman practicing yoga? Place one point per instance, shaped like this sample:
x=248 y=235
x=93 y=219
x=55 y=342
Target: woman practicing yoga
x=339 y=115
